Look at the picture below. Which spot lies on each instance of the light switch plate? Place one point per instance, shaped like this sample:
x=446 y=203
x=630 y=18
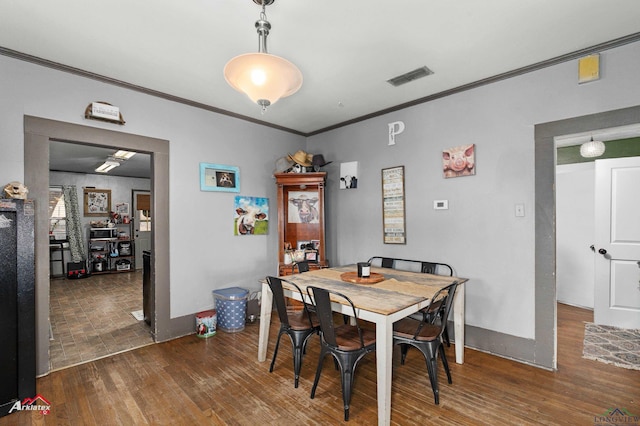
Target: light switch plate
x=440 y=204
x=519 y=210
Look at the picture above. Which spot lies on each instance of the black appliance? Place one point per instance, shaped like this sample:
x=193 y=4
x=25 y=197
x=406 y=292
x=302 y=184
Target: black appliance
x=146 y=286
x=17 y=303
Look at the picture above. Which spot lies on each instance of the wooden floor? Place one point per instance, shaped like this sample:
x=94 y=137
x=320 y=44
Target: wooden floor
x=218 y=381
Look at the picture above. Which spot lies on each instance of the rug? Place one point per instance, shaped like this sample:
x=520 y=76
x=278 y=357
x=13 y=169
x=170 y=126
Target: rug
x=138 y=315
x=611 y=345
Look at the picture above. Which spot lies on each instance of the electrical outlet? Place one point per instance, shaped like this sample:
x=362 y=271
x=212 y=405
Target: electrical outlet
x=440 y=204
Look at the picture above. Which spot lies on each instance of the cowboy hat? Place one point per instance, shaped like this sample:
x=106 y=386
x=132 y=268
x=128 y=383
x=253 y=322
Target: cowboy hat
x=301 y=157
x=283 y=164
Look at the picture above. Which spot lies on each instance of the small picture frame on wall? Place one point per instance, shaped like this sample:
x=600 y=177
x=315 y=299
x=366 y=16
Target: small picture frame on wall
x=97 y=202
x=122 y=209
x=218 y=177
x=349 y=175
x=459 y=161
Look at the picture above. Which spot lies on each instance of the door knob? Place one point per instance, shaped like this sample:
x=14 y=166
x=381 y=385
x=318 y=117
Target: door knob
x=602 y=251
x=592 y=247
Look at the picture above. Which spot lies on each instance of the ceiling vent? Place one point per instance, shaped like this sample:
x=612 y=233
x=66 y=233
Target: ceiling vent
x=410 y=76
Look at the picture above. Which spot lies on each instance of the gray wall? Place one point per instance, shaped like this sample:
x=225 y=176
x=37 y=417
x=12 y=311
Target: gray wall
x=479 y=234
x=120 y=188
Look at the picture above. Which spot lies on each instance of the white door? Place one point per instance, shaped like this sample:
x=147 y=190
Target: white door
x=141 y=224
x=617 y=245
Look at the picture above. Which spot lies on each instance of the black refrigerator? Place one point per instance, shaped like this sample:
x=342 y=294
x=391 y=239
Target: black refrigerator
x=17 y=303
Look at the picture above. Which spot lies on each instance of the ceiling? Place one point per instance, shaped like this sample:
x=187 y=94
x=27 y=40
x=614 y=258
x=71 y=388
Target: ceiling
x=346 y=50
x=79 y=158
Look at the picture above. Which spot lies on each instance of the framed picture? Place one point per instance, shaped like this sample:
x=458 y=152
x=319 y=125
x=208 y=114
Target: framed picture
x=311 y=256
x=217 y=177
x=122 y=209
x=97 y=202
x=349 y=175
x=251 y=216
x=393 y=212
x=302 y=207
x=459 y=161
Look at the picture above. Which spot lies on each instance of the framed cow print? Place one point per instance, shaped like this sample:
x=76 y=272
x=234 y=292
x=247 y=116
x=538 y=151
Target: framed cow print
x=218 y=177
x=303 y=207
x=251 y=216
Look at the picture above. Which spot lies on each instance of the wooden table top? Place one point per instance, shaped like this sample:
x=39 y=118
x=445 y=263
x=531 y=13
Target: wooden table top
x=398 y=290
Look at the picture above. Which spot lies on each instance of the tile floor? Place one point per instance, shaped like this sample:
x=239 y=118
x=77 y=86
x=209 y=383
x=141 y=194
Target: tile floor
x=91 y=318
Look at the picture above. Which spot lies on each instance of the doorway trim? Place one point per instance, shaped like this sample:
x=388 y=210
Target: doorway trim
x=545 y=219
x=37 y=134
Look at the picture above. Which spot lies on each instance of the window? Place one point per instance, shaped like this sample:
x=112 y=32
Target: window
x=144 y=220
x=57 y=215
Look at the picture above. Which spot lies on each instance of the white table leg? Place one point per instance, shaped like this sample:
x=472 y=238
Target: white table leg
x=265 y=321
x=384 y=358
x=458 y=322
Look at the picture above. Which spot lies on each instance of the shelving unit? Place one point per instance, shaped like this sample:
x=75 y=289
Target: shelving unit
x=301 y=193
x=111 y=254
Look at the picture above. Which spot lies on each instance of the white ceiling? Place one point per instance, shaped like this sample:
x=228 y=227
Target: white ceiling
x=346 y=49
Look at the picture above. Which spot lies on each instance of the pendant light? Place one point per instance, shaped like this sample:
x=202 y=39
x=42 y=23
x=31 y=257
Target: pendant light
x=263 y=77
x=592 y=148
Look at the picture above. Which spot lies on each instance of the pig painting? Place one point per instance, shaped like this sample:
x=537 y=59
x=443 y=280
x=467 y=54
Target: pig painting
x=459 y=161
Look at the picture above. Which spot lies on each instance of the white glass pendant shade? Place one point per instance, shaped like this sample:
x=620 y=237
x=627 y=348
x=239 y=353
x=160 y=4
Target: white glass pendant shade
x=592 y=149
x=263 y=77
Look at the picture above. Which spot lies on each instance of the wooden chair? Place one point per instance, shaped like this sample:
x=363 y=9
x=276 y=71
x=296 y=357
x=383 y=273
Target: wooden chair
x=347 y=344
x=298 y=324
x=426 y=336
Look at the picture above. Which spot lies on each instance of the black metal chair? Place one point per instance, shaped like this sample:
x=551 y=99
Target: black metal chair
x=302 y=266
x=426 y=336
x=298 y=324
x=434 y=268
x=347 y=344
x=412 y=265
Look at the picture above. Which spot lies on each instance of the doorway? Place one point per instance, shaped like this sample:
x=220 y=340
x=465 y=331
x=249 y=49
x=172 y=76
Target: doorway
x=545 y=232
x=101 y=313
x=37 y=134
x=142 y=224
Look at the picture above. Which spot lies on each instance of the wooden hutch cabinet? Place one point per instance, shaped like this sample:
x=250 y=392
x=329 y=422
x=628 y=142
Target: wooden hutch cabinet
x=301 y=216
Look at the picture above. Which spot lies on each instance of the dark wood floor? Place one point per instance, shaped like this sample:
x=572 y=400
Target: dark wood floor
x=218 y=381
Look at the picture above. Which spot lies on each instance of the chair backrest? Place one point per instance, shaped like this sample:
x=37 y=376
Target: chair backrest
x=444 y=299
x=412 y=265
x=321 y=299
x=278 y=296
x=301 y=266
x=436 y=268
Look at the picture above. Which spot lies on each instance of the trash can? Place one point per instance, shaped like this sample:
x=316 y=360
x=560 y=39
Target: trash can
x=231 y=306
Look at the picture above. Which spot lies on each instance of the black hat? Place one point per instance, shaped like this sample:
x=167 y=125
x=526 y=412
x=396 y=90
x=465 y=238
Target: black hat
x=318 y=160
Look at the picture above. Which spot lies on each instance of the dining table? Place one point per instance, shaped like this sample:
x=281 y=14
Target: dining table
x=395 y=295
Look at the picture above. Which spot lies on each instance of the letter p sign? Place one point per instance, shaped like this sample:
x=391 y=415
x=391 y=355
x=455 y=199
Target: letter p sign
x=395 y=128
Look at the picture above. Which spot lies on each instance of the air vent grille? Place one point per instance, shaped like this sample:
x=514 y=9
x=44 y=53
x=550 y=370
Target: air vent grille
x=410 y=76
